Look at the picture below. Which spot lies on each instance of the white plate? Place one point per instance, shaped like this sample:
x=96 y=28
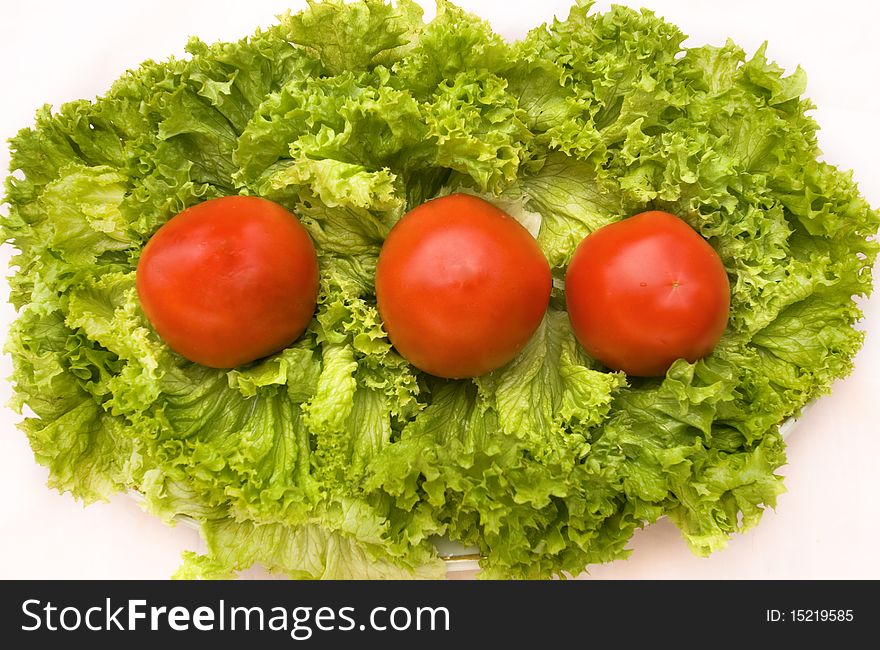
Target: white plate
x=833 y=469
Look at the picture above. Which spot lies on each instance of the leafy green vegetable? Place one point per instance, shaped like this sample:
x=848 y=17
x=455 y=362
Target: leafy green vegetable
x=335 y=458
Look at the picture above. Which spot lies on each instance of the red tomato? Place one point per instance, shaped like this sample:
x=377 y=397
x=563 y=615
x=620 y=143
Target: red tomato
x=229 y=281
x=645 y=292
x=461 y=287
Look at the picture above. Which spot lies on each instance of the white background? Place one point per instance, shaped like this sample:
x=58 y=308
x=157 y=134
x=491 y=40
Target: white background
x=826 y=526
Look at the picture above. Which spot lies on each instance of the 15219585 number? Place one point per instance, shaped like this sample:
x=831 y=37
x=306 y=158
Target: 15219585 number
x=810 y=615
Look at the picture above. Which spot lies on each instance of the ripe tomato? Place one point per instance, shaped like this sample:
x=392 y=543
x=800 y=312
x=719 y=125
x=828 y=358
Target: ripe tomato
x=461 y=287
x=229 y=281
x=646 y=291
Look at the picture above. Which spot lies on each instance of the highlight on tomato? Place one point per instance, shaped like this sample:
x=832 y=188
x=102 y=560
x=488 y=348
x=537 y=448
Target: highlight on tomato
x=461 y=286
x=645 y=292
x=229 y=281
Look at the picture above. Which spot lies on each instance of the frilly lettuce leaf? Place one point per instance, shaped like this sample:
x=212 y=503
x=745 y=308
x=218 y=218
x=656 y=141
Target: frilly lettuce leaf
x=304 y=552
x=353 y=36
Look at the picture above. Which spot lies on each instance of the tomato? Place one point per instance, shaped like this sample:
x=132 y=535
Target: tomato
x=461 y=287
x=646 y=291
x=229 y=281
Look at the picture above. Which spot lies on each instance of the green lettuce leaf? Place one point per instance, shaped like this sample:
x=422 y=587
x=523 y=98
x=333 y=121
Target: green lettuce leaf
x=304 y=552
x=353 y=36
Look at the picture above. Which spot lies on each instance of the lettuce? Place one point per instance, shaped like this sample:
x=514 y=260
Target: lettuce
x=335 y=458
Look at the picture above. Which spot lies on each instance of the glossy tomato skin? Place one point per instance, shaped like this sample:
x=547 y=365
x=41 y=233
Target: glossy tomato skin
x=461 y=287
x=646 y=291
x=229 y=281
